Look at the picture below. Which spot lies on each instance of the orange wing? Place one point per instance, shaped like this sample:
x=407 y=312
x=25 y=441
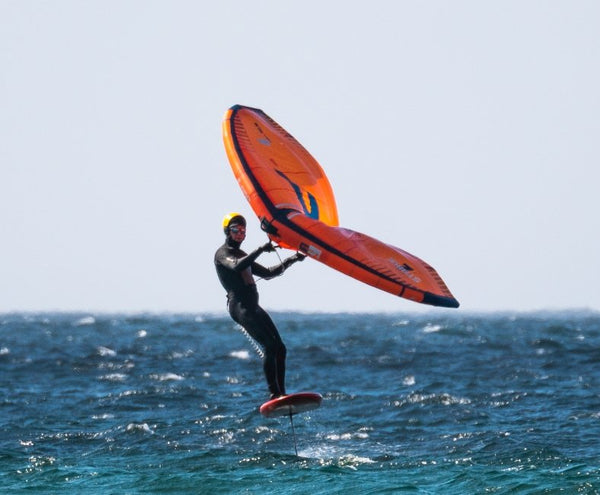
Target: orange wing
x=291 y=195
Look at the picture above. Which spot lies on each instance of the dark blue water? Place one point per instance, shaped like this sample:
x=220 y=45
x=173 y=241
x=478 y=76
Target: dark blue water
x=439 y=403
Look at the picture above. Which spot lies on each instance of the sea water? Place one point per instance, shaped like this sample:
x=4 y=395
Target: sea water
x=441 y=402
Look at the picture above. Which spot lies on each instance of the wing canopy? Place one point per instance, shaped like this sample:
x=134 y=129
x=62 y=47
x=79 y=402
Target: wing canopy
x=273 y=168
x=291 y=195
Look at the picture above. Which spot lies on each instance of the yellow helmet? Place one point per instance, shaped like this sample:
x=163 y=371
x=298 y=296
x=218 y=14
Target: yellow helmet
x=230 y=218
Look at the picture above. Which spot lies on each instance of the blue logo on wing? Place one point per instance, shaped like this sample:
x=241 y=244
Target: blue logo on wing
x=312 y=210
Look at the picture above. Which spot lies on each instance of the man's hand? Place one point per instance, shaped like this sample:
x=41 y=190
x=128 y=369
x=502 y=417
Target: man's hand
x=267 y=248
x=292 y=259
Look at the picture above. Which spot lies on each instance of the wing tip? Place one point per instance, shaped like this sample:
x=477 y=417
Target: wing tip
x=237 y=107
x=441 y=301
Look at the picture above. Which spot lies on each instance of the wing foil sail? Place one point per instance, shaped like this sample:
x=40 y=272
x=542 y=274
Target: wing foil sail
x=291 y=195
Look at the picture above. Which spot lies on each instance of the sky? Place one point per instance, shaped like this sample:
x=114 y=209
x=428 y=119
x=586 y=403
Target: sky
x=465 y=132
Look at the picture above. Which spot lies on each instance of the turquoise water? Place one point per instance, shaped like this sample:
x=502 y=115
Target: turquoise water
x=443 y=402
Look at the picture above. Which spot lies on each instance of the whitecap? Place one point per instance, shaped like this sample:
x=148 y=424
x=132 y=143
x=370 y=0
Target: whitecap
x=443 y=398
x=128 y=393
x=4 y=351
x=179 y=355
x=336 y=437
x=240 y=354
x=167 y=377
x=114 y=377
x=142 y=427
x=327 y=457
x=86 y=320
x=360 y=434
x=105 y=351
x=409 y=380
x=352 y=461
x=141 y=334
x=430 y=328
x=103 y=416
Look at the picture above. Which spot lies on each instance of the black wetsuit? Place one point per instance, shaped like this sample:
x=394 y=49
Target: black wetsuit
x=235 y=269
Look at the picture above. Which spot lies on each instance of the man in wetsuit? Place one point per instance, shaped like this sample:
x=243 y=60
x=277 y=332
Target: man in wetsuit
x=235 y=270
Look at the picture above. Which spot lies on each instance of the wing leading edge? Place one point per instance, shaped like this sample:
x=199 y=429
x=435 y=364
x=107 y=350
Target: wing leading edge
x=292 y=197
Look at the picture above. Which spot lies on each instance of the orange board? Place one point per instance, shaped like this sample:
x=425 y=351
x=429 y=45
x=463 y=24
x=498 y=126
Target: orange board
x=287 y=405
x=292 y=197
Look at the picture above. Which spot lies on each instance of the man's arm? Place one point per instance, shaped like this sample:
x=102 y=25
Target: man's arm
x=240 y=264
x=275 y=271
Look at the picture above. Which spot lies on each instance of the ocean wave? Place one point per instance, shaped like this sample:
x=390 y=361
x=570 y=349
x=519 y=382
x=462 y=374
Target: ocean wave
x=167 y=377
x=345 y=461
x=114 y=377
x=85 y=321
x=467 y=408
x=336 y=437
x=240 y=354
x=106 y=351
x=424 y=399
x=139 y=428
x=431 y=328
